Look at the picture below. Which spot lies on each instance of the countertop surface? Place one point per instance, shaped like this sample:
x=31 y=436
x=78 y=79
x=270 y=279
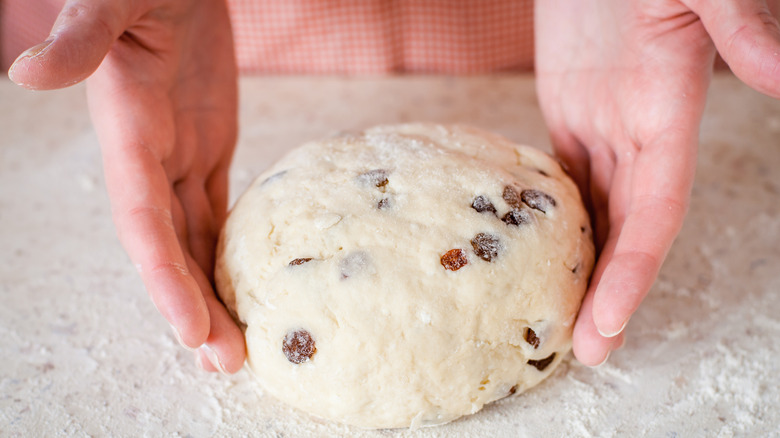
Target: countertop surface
x=84 y=352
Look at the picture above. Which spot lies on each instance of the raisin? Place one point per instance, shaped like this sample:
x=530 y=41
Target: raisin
x=481 y=204
x=538 y=200
x=454 y=259
x=541 y=364
x=486 y=246
x=383 y=203
x=376 y=178
x=298 y=346
x=517 y=216
x=513 y=390
x=531 y=338
x=511 y=197
x=300 y=261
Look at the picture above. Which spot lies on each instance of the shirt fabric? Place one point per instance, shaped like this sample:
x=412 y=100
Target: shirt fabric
x=342 y=36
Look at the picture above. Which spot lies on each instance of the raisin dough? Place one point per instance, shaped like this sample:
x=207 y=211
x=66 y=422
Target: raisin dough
x=406 y=275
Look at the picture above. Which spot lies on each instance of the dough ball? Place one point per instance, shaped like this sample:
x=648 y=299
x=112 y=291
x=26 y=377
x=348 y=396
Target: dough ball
x=406 y=275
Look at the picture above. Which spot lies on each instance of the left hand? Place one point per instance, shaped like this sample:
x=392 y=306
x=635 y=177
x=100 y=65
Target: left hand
x=622 y=85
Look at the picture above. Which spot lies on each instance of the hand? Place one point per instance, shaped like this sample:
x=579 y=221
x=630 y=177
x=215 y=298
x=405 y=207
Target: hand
x=622 y=85
x=163 y=99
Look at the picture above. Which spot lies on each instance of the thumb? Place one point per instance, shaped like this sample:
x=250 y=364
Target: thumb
x=80 y=38
x=747 y=36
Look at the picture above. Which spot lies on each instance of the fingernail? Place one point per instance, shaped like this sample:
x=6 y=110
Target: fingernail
x=603 y=361
x=211 y=355
x=32 y=52
x=612 y=335
x=177 y=335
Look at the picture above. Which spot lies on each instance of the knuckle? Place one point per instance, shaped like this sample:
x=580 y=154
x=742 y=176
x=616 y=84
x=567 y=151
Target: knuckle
x=129 y=222
x=169 y=268
x=149 y=213
x=98 y=16
x=75 y=9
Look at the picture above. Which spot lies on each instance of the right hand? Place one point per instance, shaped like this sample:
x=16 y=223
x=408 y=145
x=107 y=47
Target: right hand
x=163 y=99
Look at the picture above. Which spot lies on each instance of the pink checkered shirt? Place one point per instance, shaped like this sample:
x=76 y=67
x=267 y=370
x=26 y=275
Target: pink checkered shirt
x=342 y=36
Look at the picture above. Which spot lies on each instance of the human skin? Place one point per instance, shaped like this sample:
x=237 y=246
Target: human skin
x=621 y=83
x=162 y=93
x=622 y=86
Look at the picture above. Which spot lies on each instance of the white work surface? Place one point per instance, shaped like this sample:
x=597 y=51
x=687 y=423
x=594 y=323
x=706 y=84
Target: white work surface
x=84 y=352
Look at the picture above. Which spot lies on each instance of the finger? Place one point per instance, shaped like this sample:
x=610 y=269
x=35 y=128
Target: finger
x=575 y=161
x=747 y=36
x=200 y=223
x=661 y=179
x=136 y=135
x=141 y=209
x=619 y=340
x=224 y=349
x=202 y=191
x=573 y=157
x=203 y=360
x=602 y=171
x=80 y=38
x=217 y=189
x=592 y=170
x=589 y=347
